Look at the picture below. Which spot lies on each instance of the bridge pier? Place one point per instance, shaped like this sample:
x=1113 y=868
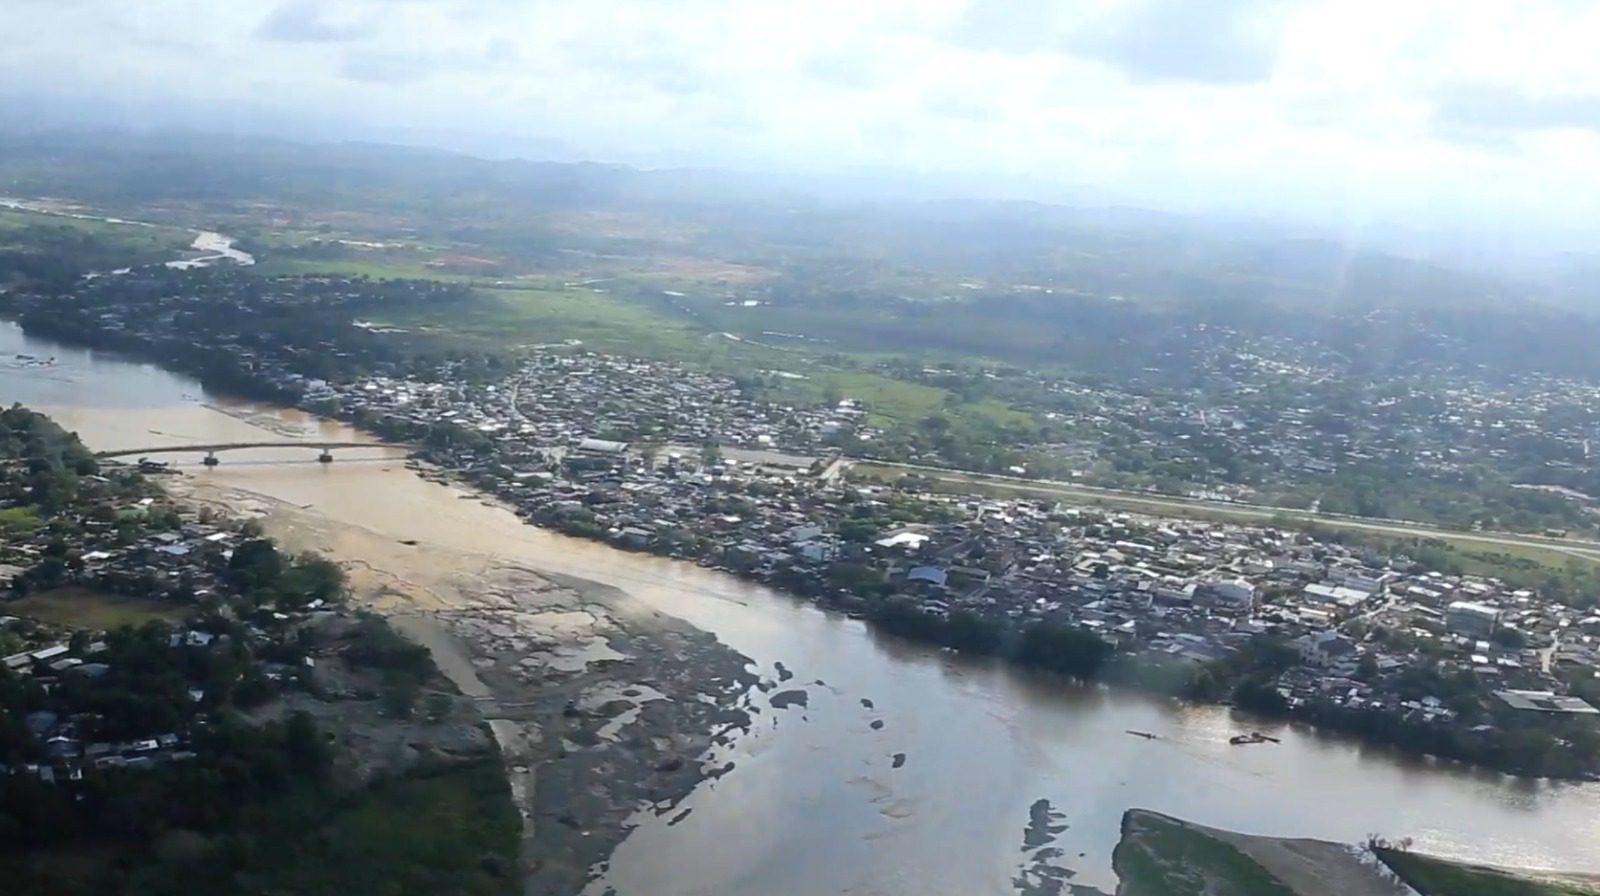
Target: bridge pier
x=211 y=459
x=326 y=457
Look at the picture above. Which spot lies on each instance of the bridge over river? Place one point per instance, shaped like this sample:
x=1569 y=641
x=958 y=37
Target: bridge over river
x=211 y=450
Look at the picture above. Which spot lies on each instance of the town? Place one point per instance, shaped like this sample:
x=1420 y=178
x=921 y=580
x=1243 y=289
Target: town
x=1286 y=420
x=220 y=604
x=653 y=458
x=651 y=455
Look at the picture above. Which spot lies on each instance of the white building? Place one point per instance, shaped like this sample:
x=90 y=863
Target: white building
x=1324 y=648
x=1231 y=594
x=1468 y=618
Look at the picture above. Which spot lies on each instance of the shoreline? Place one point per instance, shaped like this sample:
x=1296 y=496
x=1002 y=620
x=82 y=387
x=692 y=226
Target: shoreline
x=1112 y=675
x=1353 y=731
x=602 y=708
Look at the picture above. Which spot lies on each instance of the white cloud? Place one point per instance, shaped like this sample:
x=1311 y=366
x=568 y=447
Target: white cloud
x=1380 y=105
x=311 y=21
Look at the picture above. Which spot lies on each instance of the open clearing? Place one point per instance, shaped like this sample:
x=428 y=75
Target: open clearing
x=379 y=267
x=509 y=318
x=86 y=608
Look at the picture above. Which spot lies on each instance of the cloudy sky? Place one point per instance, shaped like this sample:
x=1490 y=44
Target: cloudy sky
x=1478 y=108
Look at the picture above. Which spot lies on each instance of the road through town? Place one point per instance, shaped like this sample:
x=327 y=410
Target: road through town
x=1046 y=488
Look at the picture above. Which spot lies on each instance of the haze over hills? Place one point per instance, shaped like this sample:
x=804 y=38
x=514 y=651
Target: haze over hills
x=906 y=222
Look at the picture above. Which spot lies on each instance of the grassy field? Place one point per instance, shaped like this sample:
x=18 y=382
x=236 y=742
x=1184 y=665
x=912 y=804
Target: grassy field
x=19 y=520
x=377 y=267
x=515 y=318
x=1437 y=877
x=891 y=400
x=1160 y=856
x=166 y=241
x=85 y=608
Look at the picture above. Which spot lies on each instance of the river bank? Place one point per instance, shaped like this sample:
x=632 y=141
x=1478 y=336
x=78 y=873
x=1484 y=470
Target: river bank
x=1230 y=678
x=173 y=706
x=599 y=704
x=1035 y=620
x=979 y=744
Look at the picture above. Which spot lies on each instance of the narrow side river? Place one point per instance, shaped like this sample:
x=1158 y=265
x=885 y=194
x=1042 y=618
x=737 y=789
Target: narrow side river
x=816 y=803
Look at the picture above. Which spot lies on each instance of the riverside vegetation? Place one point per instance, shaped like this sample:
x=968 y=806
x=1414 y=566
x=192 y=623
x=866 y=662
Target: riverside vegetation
x=151 y=758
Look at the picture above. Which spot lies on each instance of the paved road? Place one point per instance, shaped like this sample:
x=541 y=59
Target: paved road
x=516 y=399
x=1574 y=547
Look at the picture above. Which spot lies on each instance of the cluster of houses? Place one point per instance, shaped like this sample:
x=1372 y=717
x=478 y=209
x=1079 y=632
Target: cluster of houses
x=1179 y=590
x=653 y=456
x=1198 y=591
x=128 y=545
x=132 y=546
x=561 y=396
x=68 y=736
x=68 y=754
x=1233 y=438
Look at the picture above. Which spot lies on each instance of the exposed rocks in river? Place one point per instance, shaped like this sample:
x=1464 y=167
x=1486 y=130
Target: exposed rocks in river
x=786 y=699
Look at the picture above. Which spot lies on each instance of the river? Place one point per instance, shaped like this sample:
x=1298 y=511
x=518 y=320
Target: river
x=211 y=246
x=815 y=804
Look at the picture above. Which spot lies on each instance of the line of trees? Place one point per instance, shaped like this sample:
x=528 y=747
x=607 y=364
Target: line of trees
x=1053 y=647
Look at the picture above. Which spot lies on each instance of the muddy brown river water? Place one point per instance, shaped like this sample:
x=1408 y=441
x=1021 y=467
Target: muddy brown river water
x=816 y=802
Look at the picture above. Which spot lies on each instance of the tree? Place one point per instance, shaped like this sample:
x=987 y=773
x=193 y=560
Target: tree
x=648 y=452
x=308 y=750
x=831 y=396
x=256 y=564
x=1509 y=637
x=400 y=696
x=1367 y=668
x=437 y=707
x=311 y=577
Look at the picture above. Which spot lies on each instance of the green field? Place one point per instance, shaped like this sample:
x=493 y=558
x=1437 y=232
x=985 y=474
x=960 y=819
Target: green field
x=502 y=318
x=510 y=318
x=85 y=608
x=377 y=267
x=19 y=520
x=19 y=229
x=891 y=400
x=1437 y=877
